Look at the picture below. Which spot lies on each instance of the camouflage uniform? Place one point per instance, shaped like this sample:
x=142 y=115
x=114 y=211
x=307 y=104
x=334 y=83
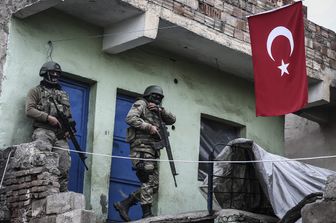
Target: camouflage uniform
x=144 y=136
x=140 y=118
x=38 y=107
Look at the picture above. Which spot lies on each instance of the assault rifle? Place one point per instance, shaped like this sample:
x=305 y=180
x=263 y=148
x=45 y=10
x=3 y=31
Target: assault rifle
x=68 y=127
x=164 y=134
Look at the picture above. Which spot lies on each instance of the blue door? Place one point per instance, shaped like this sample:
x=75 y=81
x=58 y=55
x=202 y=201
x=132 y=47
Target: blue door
x=79 y=101
x=123 y=180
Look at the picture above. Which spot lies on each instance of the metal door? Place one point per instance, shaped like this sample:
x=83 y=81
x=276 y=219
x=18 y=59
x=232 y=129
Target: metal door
x=79 y=101
x=123 y=180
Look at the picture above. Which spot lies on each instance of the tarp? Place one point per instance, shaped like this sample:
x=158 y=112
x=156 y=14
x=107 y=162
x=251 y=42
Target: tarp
x=284 y=182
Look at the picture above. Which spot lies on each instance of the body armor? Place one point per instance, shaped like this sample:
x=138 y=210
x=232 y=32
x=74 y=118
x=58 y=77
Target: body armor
x=137 y=136
x=61 y=98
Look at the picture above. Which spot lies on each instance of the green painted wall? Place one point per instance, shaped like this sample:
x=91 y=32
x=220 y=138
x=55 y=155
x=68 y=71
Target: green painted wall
x=200 y=90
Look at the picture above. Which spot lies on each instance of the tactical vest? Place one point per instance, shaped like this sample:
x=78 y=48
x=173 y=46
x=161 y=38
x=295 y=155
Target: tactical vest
x=138 y=136
x=61 y=99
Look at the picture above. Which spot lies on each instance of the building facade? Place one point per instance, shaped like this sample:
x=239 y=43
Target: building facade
x=198 y=51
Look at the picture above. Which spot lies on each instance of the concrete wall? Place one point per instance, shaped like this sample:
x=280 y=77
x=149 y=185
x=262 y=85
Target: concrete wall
x=200 y=89
x=7 y=8
x=304 y=138
x=229 y=18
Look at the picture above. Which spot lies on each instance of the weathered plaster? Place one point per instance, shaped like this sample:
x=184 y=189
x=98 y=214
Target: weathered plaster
x=7 y=8
x=200 y=89
x=305 y=138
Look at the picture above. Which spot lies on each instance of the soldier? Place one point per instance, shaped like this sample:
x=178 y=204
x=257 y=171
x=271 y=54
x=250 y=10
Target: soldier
x=143 y=136
x=47 y=127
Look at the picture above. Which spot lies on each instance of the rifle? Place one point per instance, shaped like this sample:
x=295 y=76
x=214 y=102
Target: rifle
x=164 y=137
x=68 y=127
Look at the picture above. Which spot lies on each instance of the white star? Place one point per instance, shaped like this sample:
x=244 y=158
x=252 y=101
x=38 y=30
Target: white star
x=283 y=67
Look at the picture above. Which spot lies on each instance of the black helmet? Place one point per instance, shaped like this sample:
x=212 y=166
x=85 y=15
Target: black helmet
x=153 y=89
x=50 y=66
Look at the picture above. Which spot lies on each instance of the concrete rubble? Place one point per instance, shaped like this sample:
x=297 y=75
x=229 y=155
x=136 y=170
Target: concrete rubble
x=323 y=210
x=221 y=216
x=30 y=191
x=197 y=216
x=67 y=207
x=238 y=216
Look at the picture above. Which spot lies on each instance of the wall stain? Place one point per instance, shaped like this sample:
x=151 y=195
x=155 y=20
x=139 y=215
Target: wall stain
x=103 y=203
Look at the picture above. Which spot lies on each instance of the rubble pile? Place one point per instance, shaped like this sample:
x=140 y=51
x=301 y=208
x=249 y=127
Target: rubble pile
x=31 y=189
x=31 y=175
x=239 y=216
x=67 y=207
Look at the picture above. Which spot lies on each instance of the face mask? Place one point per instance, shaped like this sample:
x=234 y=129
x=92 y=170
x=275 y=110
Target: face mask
x=52 y=77
x=155 y=98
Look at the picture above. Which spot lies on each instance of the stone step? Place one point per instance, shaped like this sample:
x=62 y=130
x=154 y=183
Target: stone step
x=75 y=216
x=64 y=202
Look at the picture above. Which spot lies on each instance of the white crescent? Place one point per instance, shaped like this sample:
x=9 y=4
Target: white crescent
x=279 y=31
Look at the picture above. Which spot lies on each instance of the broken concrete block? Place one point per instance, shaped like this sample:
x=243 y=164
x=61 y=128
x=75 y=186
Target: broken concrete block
x=64 y=202
x=330 y=189
x=39 y=208
x=46 y=219
x=322 y=211
x=77 y=216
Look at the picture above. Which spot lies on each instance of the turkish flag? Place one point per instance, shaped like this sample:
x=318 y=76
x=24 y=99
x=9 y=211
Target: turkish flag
x=279 y=60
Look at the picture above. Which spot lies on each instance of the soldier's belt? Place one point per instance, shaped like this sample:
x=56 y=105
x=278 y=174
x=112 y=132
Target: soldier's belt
x=155 y=145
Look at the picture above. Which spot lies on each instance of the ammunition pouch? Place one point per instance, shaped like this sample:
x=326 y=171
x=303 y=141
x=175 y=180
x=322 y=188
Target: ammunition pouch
x=157 y=145
x=137 y=137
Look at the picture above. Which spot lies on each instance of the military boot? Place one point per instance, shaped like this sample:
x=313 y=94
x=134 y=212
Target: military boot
x=146 y=210
x=123 y=206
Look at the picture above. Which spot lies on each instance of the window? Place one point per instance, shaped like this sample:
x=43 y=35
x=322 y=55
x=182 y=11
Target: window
x=214 y=132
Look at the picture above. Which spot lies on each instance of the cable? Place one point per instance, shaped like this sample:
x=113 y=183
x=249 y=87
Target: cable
x=196 y=161
x=50 y=51
x=180 y=161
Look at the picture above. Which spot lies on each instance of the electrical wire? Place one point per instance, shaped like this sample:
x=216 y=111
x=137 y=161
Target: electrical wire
x=50 y=51
x=181 y=161
x=200 y=161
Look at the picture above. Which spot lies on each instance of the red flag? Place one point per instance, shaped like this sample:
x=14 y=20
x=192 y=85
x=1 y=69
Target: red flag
x=279 y=60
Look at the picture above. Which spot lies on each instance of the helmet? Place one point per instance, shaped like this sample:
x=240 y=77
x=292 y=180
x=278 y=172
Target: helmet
x=51 y=72
x=154 y=94
x=50 y=66
x=153 y=89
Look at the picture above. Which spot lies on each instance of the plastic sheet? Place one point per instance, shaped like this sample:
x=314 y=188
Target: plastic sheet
x=282 y=183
